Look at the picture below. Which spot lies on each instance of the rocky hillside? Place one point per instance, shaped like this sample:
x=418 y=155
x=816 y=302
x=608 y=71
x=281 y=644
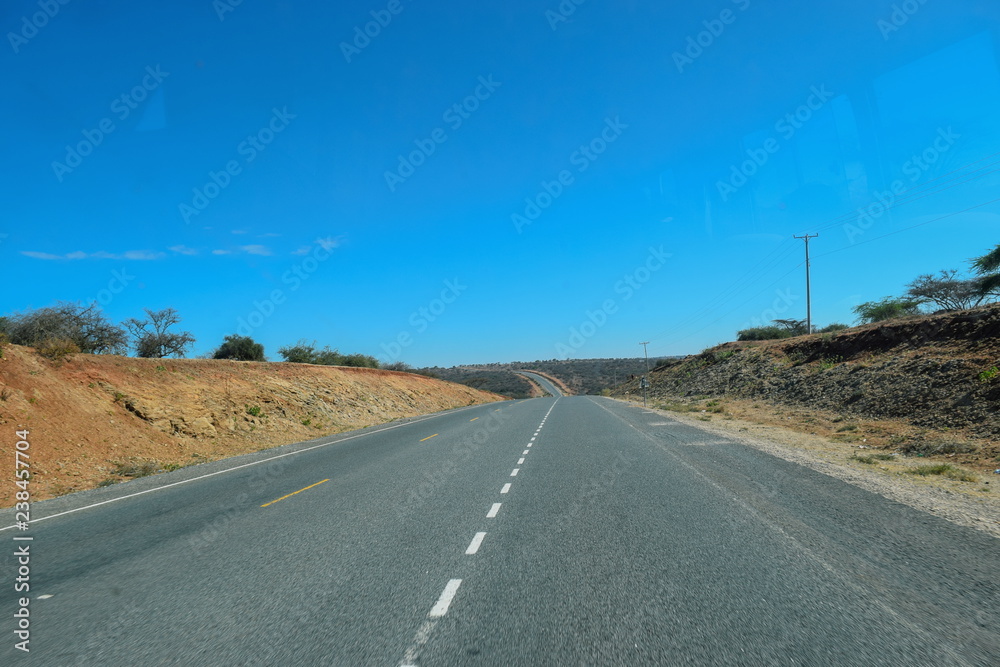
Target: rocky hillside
x=939 y=372
x=97 y=419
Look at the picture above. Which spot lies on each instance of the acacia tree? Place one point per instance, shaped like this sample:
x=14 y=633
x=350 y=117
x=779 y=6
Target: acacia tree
x=946 y=290
x=886 y=309
x=152 y=338
x=988 y=268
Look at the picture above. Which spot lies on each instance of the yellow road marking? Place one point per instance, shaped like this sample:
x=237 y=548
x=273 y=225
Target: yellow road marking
x=429 y=437
x=292 y=494
x=474 y=419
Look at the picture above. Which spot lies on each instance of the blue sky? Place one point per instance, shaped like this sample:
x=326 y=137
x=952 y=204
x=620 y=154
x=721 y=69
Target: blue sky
x=479 y=183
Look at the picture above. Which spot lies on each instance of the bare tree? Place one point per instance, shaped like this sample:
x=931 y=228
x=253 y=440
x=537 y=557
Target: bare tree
x=152 y=337
x=86 y=326
x=946 y=290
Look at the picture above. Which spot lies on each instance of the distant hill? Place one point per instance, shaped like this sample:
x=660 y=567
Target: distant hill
x=583 y=376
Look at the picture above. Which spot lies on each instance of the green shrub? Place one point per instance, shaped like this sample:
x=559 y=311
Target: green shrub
x=239 y=348
x=886 y=309
x=764 y=333
x=988 y=375
x=254 y=410
x=830 y=362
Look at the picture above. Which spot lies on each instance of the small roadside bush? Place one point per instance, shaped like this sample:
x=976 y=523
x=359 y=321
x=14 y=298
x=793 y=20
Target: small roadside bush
x=57 y=349
x=240 y=348
x=945 y=470
x=886 y=309
x=764 y=333
x=135 y=468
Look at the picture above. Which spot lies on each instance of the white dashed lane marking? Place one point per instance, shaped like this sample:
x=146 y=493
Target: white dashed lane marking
x=493 y=510
x=513 y=473
x=447 y=595
x=473 y=547
x=520 y=461
x=506 y=488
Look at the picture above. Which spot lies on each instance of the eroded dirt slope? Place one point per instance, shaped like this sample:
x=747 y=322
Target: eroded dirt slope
x=99 y=419
x=936 y=375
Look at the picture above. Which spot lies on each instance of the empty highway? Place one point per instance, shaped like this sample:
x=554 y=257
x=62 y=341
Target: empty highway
x=552 y=531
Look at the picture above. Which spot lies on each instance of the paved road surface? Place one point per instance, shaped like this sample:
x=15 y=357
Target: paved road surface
x=555 y=531
x=543 y=382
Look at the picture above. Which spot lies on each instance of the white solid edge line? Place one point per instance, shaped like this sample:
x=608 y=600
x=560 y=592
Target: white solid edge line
x=440 y=608
x=473 y=548
x=244 y=465
x=493 y=511
x=520 y=461
x=506 y=488
x=513 y=473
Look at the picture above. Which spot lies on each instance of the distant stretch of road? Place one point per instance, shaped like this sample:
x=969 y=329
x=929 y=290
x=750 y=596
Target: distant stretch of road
x=551 y=531
x=543 y=382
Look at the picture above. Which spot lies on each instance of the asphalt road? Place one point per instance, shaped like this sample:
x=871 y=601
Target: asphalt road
x=623 y=538
x=543 y=382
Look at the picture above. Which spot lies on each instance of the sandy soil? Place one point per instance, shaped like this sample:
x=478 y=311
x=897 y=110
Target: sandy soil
x=829 y=444
x=99 y=419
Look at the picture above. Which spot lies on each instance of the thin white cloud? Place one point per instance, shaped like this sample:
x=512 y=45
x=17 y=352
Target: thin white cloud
x=183 y=250
x=239 y=231
x=304 y=250
x=256 y=250
x=268 y=235
x=220 y=252
x=142 y=255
